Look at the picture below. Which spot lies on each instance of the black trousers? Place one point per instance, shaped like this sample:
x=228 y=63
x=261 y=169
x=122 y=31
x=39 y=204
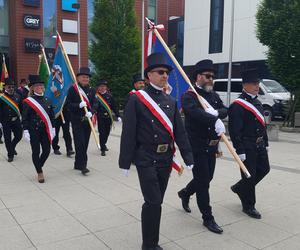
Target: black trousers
x=39 y=139
x=257 y=163
x=10 y=128
x=104 y=126
x=153 y=182
x=81 y=135
x=1 y=133
x=203 y=173
x=66 y=134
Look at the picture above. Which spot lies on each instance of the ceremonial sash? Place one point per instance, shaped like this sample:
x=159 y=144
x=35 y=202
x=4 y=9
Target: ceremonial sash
x=250 y=107
x=132 y=92
x=11 y=103
x=163 y=119
x=38 y=108
x=104 y=103
x=84 y=96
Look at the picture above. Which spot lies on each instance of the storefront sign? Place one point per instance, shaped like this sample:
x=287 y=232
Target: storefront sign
x=32 y=45
x=32 y=21
x=33 y=3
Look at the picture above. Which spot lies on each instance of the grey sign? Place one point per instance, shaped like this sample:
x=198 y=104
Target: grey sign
x=32 y=21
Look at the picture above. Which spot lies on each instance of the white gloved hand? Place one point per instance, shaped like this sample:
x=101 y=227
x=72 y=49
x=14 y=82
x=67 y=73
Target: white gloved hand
x=219 y=127
x=268 y=149
x=88 y=114
x=212 y=111
x=189 y=167
x=119 y=119
x=82 y=104
x=126 y=172
x=53 y=132
x=27 y=135
x=242 y=157
x=1 y=125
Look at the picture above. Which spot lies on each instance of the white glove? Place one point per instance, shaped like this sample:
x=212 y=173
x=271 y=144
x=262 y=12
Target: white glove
x=242 y=157
x=1 y=125
x=88 y=115
x=119 y=119
x=219 y=127
x=189 y=167
x=126 y=172
x=268 y=148
x=27 y=135
x=53 y=132
x=212 y=111
x=82 y=104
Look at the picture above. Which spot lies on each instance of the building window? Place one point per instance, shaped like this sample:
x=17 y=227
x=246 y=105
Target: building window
x=49 y=23
x=4 y=26
x=152 y=10
x=216 y=26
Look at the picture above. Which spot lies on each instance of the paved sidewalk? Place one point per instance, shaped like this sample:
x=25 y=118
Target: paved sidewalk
x=102 y=210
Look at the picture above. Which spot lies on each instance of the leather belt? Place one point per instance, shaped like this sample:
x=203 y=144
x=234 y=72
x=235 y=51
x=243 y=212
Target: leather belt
x=213 y=142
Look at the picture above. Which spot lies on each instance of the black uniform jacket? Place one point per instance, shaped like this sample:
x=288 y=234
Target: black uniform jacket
x=31 y=120
x=199 y=124
x=7 y=114
x=142 y=133
x=101 y=111
x=73 y=100
x=244 y=128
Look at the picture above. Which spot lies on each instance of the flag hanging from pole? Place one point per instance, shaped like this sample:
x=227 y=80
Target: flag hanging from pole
x=176 y=80
x=60 y=79
x=4 y=73
x=43 y=69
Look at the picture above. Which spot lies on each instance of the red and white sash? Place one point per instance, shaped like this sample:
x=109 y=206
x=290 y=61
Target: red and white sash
x=250 y=107
x=162 y=118
x=132 y=92
x=84 y=96
x=38 y=108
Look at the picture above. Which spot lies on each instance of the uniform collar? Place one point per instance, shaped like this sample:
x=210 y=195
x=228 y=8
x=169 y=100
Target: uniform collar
x=250 y=96
x=156 y=87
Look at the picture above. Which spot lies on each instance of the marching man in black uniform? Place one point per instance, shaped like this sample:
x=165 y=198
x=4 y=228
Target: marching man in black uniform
x=138 y=82
x=38 y=117
x=204 y=128
x=79 y=119
x=151 y=124
x=247 y=131
x=23 y=89
x=10 y=117
x=105 y=105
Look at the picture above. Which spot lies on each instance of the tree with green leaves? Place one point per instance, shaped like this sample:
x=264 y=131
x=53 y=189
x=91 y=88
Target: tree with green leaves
x=278 y=27
x=115 y=50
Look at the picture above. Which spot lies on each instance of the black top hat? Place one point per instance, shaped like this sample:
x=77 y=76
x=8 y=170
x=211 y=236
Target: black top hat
x=250 y=76
x=137 y=78
x=34 y=79
x=102 y=82
x=202 y=66
x=84 y=71
x=9 y=81
x=156 y=60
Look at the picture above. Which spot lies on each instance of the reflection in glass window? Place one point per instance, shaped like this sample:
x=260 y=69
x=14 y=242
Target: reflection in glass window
x=152 y=10
x=216 y=26
x=4 y=23
x=50 y=23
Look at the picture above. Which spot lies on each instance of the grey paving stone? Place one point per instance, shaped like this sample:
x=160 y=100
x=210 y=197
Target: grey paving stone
x=13 y=238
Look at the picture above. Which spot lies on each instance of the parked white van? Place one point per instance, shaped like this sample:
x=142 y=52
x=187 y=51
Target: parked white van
x=271 y=93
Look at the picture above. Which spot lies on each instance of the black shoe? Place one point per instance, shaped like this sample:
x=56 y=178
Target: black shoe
x=77 y=168
x=1 y=142
x=158 y=247
x=234 y=189
x=10 y=159
x=70 y=152
x=85 y=171
x=103 y=153
x=57 y=152
x=185 y=199
x=105 y=149
x=15 y=152
x=212 y=226
x=252 y=212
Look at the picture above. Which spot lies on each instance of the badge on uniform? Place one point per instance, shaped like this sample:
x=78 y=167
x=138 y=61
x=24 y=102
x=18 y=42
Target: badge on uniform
x=162 y=148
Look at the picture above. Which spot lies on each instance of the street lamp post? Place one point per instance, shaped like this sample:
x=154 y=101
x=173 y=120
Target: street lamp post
x=230 y=53
x=77 y=6
x=143 y=36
